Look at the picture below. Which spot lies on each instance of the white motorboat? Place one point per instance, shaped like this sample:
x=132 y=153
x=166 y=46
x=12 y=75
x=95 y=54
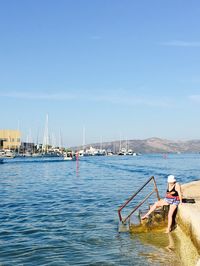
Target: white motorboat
x=7 y=154
x=69 y=156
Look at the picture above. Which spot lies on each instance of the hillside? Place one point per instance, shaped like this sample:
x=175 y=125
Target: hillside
x=151 y=145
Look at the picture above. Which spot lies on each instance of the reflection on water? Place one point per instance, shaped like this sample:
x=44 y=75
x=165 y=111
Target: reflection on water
x=65 y=213
x=174 y=247
x=171 y=246
x=77 y=166
x=164 y=248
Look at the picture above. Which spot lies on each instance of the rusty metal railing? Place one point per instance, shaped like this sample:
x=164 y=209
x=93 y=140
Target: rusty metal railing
x=155 y=190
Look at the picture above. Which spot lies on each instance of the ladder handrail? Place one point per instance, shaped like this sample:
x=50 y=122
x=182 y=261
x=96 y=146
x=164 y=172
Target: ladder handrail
x=142 y=202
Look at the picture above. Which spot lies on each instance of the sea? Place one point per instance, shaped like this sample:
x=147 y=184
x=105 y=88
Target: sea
x=56 y=212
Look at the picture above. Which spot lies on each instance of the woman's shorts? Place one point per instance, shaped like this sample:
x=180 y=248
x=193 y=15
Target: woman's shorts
x=172 y=201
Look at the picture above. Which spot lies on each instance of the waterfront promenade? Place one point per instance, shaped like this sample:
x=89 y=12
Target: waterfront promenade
x=188 y=216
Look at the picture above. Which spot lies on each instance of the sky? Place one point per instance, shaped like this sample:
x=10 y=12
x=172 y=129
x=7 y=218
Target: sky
x=120 y=69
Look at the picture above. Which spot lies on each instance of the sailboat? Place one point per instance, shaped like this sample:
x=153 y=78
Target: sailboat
x=82 y=152
x=46 y=147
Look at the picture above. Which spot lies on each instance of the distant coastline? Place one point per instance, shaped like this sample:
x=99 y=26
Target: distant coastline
x=150 y=145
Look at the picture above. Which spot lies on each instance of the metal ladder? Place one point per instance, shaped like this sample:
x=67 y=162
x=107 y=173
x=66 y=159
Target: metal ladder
x=156 y=219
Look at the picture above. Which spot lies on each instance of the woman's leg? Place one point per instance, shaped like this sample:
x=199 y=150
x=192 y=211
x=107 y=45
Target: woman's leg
x=172 y=209
x=156 y=205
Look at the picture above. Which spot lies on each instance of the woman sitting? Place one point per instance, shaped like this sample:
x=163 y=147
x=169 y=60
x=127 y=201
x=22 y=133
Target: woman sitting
x=172 y=199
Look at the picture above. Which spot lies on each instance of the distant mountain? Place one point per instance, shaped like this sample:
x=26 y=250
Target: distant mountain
x=150 y=145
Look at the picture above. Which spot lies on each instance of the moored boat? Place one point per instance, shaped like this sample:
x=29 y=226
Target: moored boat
x=7 y=154
x=69 y=156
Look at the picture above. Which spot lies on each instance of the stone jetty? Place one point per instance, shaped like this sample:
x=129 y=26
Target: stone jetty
x=188 y=216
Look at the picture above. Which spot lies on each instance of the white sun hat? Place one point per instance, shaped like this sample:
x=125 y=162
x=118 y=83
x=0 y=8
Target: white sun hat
x=171 y=179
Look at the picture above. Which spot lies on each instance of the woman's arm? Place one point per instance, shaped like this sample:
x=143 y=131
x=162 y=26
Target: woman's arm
x=178 y=189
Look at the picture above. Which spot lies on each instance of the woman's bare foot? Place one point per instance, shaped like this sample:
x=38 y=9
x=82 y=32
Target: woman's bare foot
x=145 y=217
x=170 y=249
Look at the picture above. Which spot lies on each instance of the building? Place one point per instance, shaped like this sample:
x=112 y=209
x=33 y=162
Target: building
x=10 y=139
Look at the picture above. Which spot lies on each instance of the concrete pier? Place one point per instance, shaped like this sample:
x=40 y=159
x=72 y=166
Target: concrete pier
x=188 y=216
x=184 y=241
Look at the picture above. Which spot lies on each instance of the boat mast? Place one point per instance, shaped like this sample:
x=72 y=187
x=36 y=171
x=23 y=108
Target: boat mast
x=60 y=140
x=127 y=145
x=46 y=135
x=18 y=147
x=101 y=143
x=120 y=143
x=83 y=137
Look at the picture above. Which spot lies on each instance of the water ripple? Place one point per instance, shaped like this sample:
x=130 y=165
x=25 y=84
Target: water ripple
x=55 y=213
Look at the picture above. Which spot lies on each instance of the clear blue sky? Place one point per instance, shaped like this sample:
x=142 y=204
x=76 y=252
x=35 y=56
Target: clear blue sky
x=119 y=68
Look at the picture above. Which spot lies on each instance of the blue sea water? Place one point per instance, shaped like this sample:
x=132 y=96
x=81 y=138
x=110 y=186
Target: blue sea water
x=65 y=213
